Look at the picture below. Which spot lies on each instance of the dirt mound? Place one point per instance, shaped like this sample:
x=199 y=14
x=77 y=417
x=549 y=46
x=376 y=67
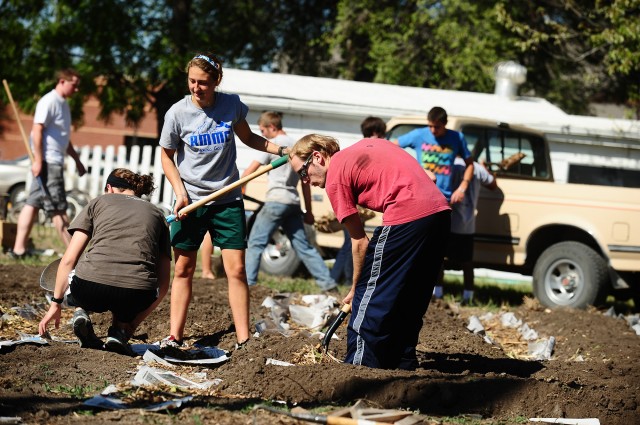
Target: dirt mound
x=594 y=371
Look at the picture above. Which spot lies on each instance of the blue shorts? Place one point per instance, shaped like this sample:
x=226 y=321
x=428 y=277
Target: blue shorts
x=393 y=292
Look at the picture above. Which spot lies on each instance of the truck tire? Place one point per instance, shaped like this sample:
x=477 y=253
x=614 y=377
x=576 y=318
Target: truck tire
x=279 y=258
x=570 y=274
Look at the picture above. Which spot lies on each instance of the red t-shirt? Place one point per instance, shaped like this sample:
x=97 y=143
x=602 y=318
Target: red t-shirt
x=379 y=175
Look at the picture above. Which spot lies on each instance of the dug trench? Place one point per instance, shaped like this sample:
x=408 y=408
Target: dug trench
x=593 y=371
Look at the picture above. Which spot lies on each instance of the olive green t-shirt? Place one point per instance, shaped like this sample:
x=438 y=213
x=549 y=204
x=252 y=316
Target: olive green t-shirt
x=128 y=236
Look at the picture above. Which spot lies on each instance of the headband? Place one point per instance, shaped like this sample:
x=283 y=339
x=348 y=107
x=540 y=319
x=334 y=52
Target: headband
x=215 y=65
x=118 y=182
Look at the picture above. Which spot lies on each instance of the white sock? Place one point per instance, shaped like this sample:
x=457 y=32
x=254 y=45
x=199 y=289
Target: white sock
x=438 y=291
x=467 y=295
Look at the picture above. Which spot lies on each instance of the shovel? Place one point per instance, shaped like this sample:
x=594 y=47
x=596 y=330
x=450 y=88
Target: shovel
x=260 y=171
x=344 y=312
x=48 y=276
x=48 y=283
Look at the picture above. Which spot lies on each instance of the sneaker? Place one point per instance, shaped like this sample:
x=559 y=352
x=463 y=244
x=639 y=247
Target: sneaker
x=83 y=329
x=117 y=342
x=241 y=345
x=172 y=342
x=15 y=256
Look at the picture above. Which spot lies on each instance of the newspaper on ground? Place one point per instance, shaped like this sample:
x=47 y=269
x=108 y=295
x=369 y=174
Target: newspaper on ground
x=567 y=421
x=278 y=362
x=632 y=320
x=542 y=349
x=108 y=400
x=537 y=348
x=198 y=355
x=154 y=376
x=316 y=314
x=24 y=339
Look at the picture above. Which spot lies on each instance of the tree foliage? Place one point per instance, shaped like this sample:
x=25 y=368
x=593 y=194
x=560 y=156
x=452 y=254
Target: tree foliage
x=131 y=53
x=574 y=51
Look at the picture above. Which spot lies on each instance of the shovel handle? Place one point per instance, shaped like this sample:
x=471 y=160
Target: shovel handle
x=260 y=171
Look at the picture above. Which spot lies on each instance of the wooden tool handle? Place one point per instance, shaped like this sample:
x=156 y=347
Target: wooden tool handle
x=260 y=171
x=15 y=111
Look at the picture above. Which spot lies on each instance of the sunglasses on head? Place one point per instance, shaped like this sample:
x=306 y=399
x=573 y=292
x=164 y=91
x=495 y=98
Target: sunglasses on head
x=303 y=171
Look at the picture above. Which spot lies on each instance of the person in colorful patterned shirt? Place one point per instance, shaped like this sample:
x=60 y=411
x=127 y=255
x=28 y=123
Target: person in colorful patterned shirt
x=436 y=149
x=199 y=157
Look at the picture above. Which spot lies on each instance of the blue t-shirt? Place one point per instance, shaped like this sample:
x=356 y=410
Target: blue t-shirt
x=437 y=155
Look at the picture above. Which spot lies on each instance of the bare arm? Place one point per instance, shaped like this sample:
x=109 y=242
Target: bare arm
x=359 y=244
x=172 y=173
x=458 y=193
x=254 y=141
x=494 y=183
x=76 y=247
x=71 y=151
x=306 y=195
x=38 y=156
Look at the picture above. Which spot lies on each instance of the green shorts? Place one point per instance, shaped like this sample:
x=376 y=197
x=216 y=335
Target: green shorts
x=226 y=223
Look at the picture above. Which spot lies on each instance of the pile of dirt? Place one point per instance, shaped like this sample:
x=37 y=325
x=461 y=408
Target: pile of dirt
x=593 y=372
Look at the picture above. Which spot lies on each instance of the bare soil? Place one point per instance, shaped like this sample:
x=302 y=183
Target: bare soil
x=594 y=371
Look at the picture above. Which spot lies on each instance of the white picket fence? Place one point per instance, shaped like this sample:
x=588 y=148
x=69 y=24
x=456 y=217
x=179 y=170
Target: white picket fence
x=100 y=161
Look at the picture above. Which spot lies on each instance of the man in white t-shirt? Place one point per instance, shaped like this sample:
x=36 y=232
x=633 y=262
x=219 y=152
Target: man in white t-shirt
x=282 y=209
x=459 y=252
x=50 y=142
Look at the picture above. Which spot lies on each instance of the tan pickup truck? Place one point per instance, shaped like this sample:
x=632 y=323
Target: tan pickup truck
x=578 y=242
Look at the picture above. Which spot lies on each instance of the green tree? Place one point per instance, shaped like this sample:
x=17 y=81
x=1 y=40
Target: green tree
x=132 y=53
x=579 y=50
x=574 y=51
x=451 y=44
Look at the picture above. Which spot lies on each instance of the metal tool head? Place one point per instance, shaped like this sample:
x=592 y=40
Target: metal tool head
x=48 y=276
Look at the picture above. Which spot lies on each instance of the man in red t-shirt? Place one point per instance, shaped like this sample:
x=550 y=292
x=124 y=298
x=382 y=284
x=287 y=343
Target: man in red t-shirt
x=395 y=271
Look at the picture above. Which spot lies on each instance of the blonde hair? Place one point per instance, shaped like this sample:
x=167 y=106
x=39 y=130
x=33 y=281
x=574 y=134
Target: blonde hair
x=209 y=63
x=273 y=118
x=66 y=74
x=310 y=143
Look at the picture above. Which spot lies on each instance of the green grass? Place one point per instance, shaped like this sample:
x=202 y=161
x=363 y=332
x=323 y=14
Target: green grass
x=488 y=293
x=41 y=238
x=76 y=391
x=294 y=284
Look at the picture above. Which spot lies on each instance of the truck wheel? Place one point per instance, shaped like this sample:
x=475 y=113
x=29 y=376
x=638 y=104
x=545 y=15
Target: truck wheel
x=570 y=274
x=279 y=257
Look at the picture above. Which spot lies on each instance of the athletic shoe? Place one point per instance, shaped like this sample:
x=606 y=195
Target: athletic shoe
x=117 y=342
x=241 y=345
x=22 y=256
x=172 y=342
x=83 y=329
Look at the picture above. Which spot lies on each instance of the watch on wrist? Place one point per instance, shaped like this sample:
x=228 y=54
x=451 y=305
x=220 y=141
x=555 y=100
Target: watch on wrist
x=57 y=300
x=281 y=150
